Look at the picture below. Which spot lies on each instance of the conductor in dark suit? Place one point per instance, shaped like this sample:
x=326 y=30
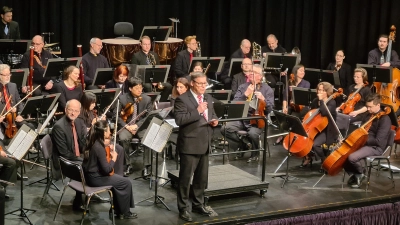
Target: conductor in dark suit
x=147 y=57
x=140 y=102
x=8 y=29
x=195 y=116
x=184 y=57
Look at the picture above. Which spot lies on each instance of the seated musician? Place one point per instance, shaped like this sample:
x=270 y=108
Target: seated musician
x=180 y=87
x=184 y=57
x=197 y=67
x=147 y=57
x=375 y=145
x=360 y=79
x=120 y=79
x=329 y=135
x=132 y=104
x=264 y=93
x=88 y=115
x=9 y=97
x=100 y=171
x=343 y=69
x=41 y=57
x=378 y=55
x=8 y=172
x=272 y=45
x=241 y=78
x=93 y=60
x=295 y=81
x=69 y=88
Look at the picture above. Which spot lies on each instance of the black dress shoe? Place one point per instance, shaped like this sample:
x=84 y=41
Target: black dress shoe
x=278 y=142
x=129 y=215
x=351 y=180
x=79 y=208
x=185 y=215
x=146 y=171
x=201 y=210
x=6 y=197
x=129 y=169
x=358 y=180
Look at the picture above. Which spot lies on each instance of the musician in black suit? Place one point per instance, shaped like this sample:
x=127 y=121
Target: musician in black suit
x=195 y=116
x=9 y=93
x=344 y=70
x=8 y=29
x=140 y=102
x=120 y=79
x=147 y=57
x=272 y=45
x=184 y=57
x=41 y=57
x=377 y=56
x=241 y=78
x=376 y=143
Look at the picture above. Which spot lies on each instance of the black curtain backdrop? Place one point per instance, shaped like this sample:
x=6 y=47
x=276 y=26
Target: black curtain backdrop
x=318 y=28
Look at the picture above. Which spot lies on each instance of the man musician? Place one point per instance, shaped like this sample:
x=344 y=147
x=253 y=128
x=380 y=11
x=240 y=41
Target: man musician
x=148 y=57
x=9 y=28
x=378 y=55
x=132 y=104
x=377 y=140
x=93 y=60
x=264 y=93
x=184 y=57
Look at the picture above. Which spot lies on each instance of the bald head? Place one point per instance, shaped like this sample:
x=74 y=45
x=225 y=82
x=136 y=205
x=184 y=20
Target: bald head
x=72 y=109
x=245 y=45
x=272 y=41
x=37 y=43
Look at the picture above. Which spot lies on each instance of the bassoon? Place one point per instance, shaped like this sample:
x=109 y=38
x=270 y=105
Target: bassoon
x=81 y=76
x=30 y=77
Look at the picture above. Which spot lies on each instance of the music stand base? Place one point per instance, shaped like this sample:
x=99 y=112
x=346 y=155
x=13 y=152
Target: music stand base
x=22 y=214
x=45 y=181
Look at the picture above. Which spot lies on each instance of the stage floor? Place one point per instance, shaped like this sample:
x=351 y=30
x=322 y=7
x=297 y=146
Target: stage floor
x=294 y=197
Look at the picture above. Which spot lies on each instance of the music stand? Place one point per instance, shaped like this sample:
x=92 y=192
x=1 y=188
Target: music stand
x=19 y=77
x=18 y=148
x=40 y=104
x=235 y=66
x=102 y=76
x=215 y=65
x=152 y=74
x=377 y=73
x=315 y=76
x=55 y=67
x=392 y=114
x=104 y=97
x=155 y=96
x=303 y=96
x=223 y=95
x=156 y=33
x=292 y=125
x=8 y=46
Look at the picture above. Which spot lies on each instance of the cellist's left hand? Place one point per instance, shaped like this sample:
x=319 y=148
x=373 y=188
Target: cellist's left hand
x=259 y=95
x=19 y=119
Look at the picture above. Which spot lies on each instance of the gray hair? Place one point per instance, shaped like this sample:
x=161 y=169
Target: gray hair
x=272 y=36
x=3 y=67
x=196 y=75
x=73 y=100
x=244 y=41
x=93 y=40
x=258 y=67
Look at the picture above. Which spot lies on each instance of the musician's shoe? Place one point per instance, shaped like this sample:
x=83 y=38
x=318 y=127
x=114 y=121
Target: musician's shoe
x=252 y=159
x=278 y=141
x=201 y=210
x=351 y=180
x=6 y=197
x=185 y=215
x=146 y=171
x=128 y=170
x=129 y=215
x=98 y=198
x=306 y=161
x=24 y=177
x=358 y=180
x=33 y=150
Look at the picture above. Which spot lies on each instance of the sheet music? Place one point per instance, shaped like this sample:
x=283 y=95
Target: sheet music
x=151 y=134
x=161 y=137
x=25 y=145
x=16 y=141
x=172 y=122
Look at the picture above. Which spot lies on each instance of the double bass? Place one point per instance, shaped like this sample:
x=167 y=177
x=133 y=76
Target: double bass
x=313 y=124
x=333 y=164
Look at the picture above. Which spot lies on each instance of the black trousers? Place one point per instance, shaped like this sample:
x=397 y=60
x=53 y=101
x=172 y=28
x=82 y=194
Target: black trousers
x=196 y=166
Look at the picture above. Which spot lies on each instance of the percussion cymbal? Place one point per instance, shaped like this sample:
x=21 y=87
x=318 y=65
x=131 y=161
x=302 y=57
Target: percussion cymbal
x=49 y=45
x=175 y=20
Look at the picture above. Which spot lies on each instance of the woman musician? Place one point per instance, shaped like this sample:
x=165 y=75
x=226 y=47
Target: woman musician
x=329 y=134
x=343 y=69
x=360 y=87
x=296 y=80
x=120 y=79
x=69 y=88
x=98 y=169
x=88 y=113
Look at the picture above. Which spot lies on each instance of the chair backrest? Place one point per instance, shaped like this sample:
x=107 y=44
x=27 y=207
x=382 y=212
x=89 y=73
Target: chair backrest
x=123 y=29
x=163 y=105
x=388 y=150
x=47 y=146
x=343 y=123
x=72 y=170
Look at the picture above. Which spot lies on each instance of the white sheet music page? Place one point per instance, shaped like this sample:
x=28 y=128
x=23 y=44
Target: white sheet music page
x=162 y=137
x=17 y=141
x=151 y=134
x=172 y=123
x=25 y=145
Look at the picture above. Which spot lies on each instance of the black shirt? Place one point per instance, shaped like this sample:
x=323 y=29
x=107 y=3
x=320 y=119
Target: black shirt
x=374 y=57
x=38 y=70
x=90 y=64
x=278 y=49
x=67 y=94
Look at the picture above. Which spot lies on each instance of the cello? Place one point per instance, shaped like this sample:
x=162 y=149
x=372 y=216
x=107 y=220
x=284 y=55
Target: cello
x=259 y=111
x=313 y=124
x=334 y=162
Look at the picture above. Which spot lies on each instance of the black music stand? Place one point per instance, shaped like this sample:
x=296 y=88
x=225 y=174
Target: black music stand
x=13 y=48
x=392 y=114
x=315 y=76
x=19 y=77
x=102 y=76
x=377 y=73
x=18 y=147
x=155 y=96
x=55 y=67
x=216 y=64
x=292 y=125
x=104 y=97
x=40 y=105
x=222 y=95
x=152 y=74
x=156 y=33
x=303 y=96
x=235 y=66
x=280 y=62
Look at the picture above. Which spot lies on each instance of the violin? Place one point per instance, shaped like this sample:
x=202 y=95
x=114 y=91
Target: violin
x=108 y=157
x=333 y=164
x=348 y=106
x=261 y=104
x=11 y=129
x=128 y=110
x=313 y=124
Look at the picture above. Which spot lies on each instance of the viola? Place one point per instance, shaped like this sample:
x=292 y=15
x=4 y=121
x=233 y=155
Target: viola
x=108 y=157
x=348 y=106
x=313 y=123
x=333 y=164
x=128 y=110
x=11 y=129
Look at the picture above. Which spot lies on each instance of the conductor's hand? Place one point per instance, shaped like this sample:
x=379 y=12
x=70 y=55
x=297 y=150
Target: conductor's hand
x=249 y=90
x=49 y=85
x=19 y=119
x=202 y=107
x=213 y=122
x=114 y=155
x=132 y=128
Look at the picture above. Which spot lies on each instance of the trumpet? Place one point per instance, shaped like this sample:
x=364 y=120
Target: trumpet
x=256 y=51
x=152 y=59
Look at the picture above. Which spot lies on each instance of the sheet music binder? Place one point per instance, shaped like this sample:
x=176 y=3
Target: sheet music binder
x=21 y=142
x=157 y=134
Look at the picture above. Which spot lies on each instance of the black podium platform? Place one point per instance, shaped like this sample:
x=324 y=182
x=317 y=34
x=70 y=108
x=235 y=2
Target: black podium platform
x=226 y=179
